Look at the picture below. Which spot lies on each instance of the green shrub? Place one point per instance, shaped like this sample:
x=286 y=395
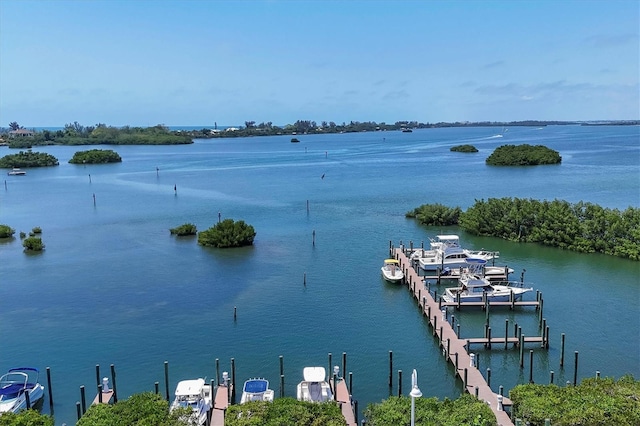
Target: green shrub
x=523 y=155
x=466 y=410
x=33 y=244
x=6 y=231
x=22 y=235
x=463 y=148
x=603 y=401
x=26 y=418
x=284 y=411
x=28 y=159
x=145 y=408
x=186 y=229
x=37 y=230
x=435 y=214
x=227 y=234
x=95 y=156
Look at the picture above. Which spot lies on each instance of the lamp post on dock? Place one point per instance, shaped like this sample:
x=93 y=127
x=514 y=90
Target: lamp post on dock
x=415 y=393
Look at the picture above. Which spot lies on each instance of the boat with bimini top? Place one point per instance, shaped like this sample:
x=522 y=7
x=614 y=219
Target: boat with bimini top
x=16 y=385
x=256 y=390
x=445 y=251
x=391 y=271
x=314 y=387
x=195 y=396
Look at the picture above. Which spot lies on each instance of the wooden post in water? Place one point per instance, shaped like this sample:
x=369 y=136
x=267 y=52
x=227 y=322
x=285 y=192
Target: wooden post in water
x=156 y=388
x=455 y=356
x=390 y=371
x=399 y=383
x=307 y=206
x=166 y=379
x=330 y=367
x=575 y=369
x=83 y=400
x=521 y=344
x=531 y=366
x=282 y=386
x=335 y=386
x=344 y=363
x=113 y=383
x=100 y=394
x=489 y=376
x=506 y=332
x=488 y=337
x=562 y=351
x=551 y=377
x=78 y=410
x=350 y=383
x=233 y=381
x=235 y=313
x=218 y=371
x=98 y=374
x=94 y=199
x=313 y=238
x=49 y=389
x=27 y=398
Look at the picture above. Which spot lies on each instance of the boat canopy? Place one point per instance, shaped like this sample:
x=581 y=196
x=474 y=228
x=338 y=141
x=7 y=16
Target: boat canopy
x=189 y=387
x=313 y=374
x=447 y=237
x=391 y=261
x=256 y=385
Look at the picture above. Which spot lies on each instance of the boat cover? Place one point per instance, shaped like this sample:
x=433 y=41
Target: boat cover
x=313 y=374
x=256 y=385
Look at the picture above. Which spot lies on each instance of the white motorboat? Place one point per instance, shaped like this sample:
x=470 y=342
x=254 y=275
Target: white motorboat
x=474 y=288
x=391 y=271
x=256 y=390
x=17 y=172
x=445 y=252
x=314 y=387
x=194 y=395
x=14 y=387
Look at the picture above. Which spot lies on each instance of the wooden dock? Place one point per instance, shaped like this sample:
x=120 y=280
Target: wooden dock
x=455 y=348
x=344 y=401
x=220 y=404
x=103 y=397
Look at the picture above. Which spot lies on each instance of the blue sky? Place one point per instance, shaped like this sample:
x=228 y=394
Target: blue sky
x=196 y=62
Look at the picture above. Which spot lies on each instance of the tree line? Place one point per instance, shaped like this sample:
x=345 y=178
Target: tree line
x=582 y=226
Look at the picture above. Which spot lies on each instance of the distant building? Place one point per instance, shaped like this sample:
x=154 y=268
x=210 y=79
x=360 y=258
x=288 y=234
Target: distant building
x=21 y=133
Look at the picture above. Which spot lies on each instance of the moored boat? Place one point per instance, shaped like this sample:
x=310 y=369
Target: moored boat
x=15 y=385
x=314 y=387
x=256 y=390
x=193 y=395
x=391 y=271
x=445 y=251
x=474 y=288
x=16 y=172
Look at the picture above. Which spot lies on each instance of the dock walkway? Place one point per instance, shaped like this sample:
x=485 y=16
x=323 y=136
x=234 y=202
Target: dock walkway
x=457 y=354
x=220 y=404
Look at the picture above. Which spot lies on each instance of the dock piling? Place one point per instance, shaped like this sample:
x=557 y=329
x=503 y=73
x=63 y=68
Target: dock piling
x=166 y=379
x=575 y=369
x=83 y=400
x=562 y=351
x=531 y=366
x=399 y=383
x=49 y=389
x=390 y=371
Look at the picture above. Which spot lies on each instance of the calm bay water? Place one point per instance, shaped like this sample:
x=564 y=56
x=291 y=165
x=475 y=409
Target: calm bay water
x=113 y=287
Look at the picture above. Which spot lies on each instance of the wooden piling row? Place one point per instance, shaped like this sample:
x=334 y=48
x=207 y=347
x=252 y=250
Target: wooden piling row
x=457 y=354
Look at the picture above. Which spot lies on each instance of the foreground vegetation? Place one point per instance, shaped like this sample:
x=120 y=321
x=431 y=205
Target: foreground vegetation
x=582 y=227
x=523 y=155
x=95 y=156
x=466 y=410
x=140 y=409
x=284 y=411
x=227 y=234
x=28 y=159
x=603 y=401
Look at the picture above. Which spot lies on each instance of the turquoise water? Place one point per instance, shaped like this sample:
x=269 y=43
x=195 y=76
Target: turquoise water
x=113 y=287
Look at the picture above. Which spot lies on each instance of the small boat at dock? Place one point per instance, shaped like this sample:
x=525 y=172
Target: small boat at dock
x=15 y=385
x=256 y=390
x=391 y=271
x=194 y=395
x=314 y=387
